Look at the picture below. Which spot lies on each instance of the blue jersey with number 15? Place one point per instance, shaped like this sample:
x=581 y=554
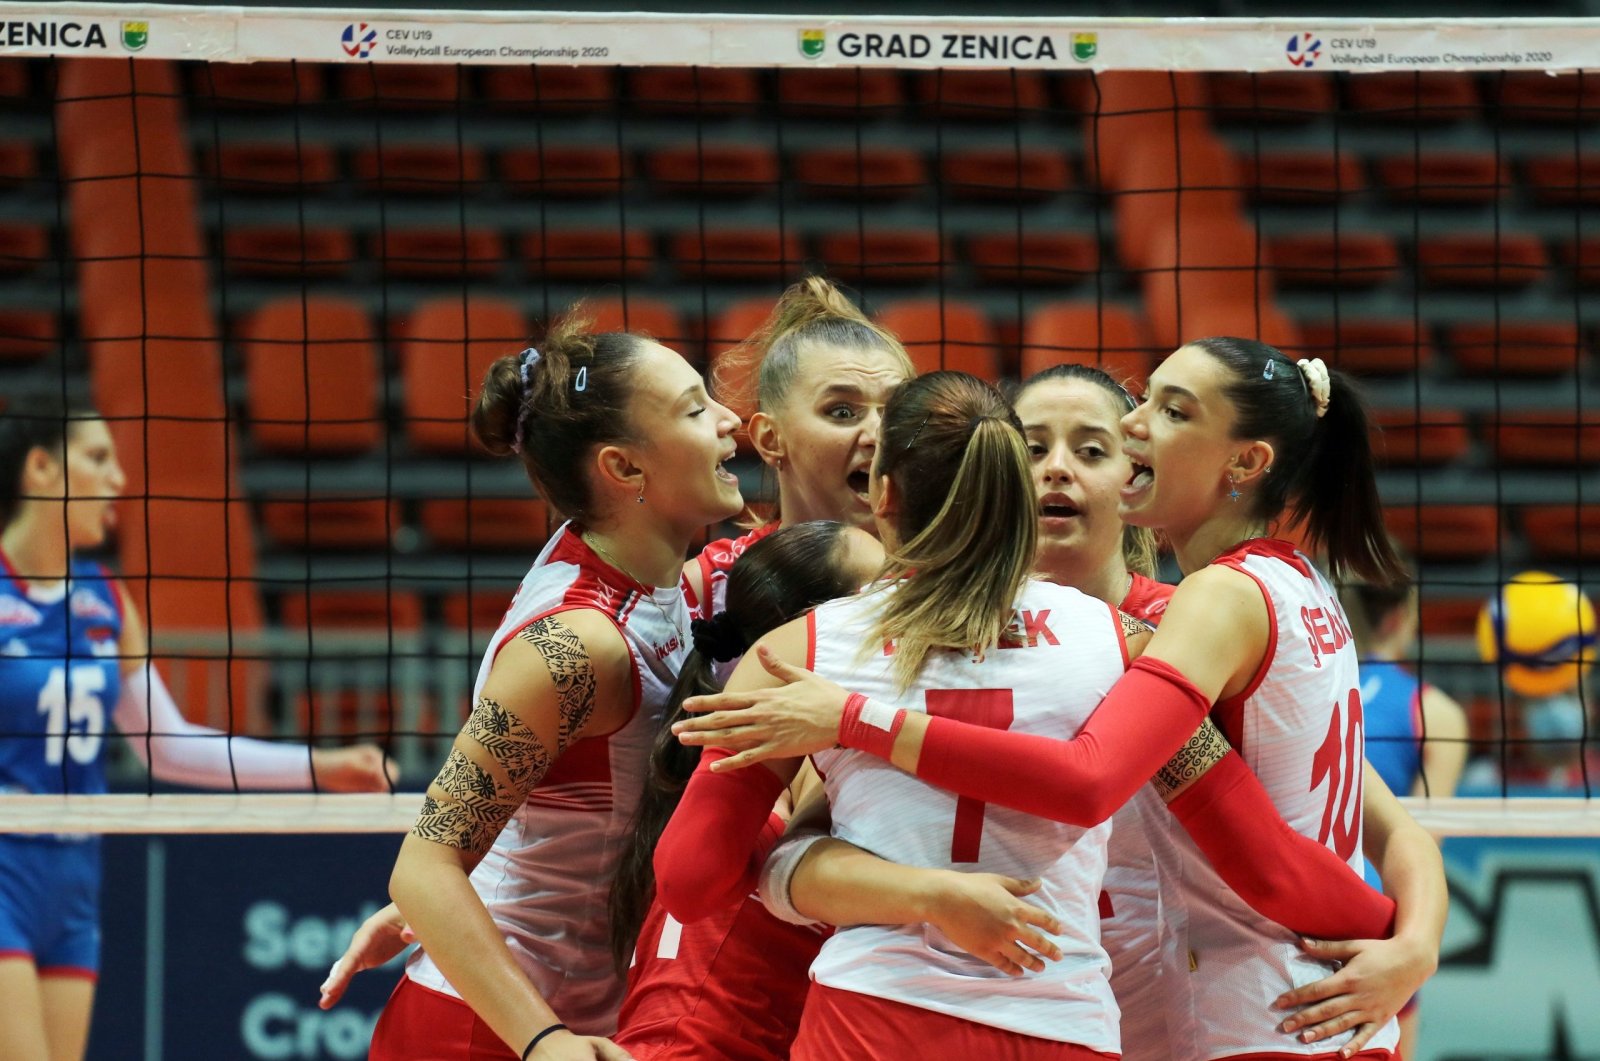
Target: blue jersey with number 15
x=59 y=680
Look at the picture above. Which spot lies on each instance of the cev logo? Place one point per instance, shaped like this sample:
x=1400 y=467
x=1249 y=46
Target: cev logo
x=1304 y=50
x=358 y=40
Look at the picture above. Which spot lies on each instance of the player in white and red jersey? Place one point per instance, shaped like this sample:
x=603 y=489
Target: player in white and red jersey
x=502 y=878
x=1223 y=412
x=816 y=375
x=729 y=987
x=949 y=447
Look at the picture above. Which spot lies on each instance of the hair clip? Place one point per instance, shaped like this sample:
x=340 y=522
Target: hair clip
x=1269 y=369
x=582 y=382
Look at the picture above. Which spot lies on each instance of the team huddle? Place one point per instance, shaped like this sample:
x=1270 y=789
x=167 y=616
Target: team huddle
x=929 y=761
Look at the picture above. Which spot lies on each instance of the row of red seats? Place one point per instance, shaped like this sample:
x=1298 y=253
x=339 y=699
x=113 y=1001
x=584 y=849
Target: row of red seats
x=1504 y=260
x=1433 y=533
x=1287 y=96
x=869 y=172
x=328 y=349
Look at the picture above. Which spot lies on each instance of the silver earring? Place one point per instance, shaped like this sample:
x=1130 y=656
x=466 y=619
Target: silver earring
x=640 y=498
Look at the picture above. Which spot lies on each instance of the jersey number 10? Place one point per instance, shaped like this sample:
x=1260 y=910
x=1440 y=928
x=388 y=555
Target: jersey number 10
x=73 y=725
x=1340 y=759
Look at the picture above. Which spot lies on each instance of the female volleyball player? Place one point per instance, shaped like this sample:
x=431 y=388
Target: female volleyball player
x=1253 y=627
x=503 y=876
x=823 y=372
x=730 y=986
x=74 y=656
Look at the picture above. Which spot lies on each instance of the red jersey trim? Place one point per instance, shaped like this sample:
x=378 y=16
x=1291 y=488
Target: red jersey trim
x=69 y=972
x=811 y=639
x=1147 y=598
x=1276 y=548
x=1122 y=637
x=11 y=571
x=1230 y=711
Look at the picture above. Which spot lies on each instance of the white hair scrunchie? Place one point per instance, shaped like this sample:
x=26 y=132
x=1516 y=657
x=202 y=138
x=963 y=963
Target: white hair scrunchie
x=1318 y=382
x=530 y=357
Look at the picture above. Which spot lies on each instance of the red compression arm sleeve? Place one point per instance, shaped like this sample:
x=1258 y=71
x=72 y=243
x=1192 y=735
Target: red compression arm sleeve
x=710 y=854
x=1284 y=876
x=1140 y=724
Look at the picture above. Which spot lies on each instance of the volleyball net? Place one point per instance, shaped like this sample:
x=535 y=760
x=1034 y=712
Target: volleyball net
x=280 y=247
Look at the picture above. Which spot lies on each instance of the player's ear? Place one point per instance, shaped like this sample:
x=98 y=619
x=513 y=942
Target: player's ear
x=885 y=498
x=41 y=468
x=764 y=436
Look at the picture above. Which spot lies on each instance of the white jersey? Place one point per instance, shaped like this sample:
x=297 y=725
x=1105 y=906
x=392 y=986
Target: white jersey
x=1299 y=727
x=545 y=880
x=1063 y=654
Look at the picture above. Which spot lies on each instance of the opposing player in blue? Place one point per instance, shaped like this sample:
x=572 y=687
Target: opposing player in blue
x=1400 y=712
x=73 y=654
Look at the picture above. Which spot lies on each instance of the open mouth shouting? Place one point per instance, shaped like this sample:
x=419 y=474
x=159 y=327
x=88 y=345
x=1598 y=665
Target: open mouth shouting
x=1139 y=482
x=860 y=482
x=1056 y=510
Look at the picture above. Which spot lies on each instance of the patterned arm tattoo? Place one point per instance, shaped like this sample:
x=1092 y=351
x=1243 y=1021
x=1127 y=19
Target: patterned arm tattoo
x=475 y=799
x=1202 y=751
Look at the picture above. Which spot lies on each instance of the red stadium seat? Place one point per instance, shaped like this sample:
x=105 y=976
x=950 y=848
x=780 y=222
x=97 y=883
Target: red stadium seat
x=1582 y=256
x=882 y=256
x=404 y=85
x=270 y=168
x=472 y=524
x=249 y=85
x=419 y=169
x=19 y=163
x=1534 y=96
x=840 y=91
x=871 y=173
x=694 y=90
x=718 y=170
x=648 y=316
x=1549 y=438
x=944 y=334
x=1005 y=174
x=1482 y=260
x=330 y=523
x=1135 y=112
x=1152 y=212
x=1419 y=437
x=1562 y=180
x=445 y=352
x=287 y=250
x=1514 y=348
x=1445 y=532
x=1449 y=616
x=603 y=254
x=28 y=334
x=731 y=373
x=1444 y=177
x=979 y=95
x=1283 y=97
x=23 y=247
x=1569 y=533
x=567 y=171
x=15 y=82
x=311 y=365
x=1212 y=262
x=736 y=254
x=550 y=88
x=1244 y=318
x=1369 y=346
x=1409 y=98
x=333 y=610
x=1086 y=333
x=1327 y=259
x=439 y=253
x=481 y=609
x=1296 y=177
x=1057 y=259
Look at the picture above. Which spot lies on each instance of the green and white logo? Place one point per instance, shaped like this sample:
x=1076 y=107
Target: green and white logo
x=813 y=42
x=1084 y=46
x=135 y=35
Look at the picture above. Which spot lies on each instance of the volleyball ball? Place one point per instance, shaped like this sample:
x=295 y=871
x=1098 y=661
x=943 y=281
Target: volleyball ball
x=1541 y=631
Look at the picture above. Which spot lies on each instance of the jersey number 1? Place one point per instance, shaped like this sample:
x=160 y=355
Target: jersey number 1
x=73 y=725
x=1339 y=759
x=993 y=709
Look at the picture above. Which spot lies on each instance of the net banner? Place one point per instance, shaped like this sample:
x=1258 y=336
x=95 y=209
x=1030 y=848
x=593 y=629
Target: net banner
x=243 y=35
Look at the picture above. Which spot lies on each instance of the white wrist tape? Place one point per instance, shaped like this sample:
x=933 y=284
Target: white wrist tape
x=778 y=873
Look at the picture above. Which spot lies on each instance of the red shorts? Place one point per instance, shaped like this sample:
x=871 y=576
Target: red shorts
x=421 y=1024
x=838 y=1025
